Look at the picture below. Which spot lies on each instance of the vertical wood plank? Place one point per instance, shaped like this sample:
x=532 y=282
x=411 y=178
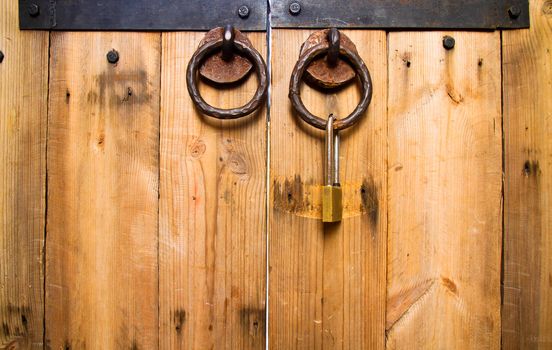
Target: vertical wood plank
x=212 y=211
x=23 y=108
x=527 y=69
x=445 y=183
x=102 y=221
x=327 y=282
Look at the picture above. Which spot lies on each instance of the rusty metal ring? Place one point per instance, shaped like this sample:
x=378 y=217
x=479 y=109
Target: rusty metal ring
x=192 y=78
x=297 y=75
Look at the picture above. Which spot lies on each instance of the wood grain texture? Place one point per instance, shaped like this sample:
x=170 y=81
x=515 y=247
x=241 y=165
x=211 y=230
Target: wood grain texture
x=212 y=211
x=23 y=113
x=327 y=282
x=102 y=221
x=445 y=186
x=527 y=281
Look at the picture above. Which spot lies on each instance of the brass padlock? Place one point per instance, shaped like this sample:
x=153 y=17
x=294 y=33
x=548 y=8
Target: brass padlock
x=332 y=207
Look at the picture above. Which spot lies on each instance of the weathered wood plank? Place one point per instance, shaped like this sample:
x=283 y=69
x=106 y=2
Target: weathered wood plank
x=23 y=114
x=445 y=186
x=327 y=282
x=102 y=220
x=527 y=282
x=212 y=211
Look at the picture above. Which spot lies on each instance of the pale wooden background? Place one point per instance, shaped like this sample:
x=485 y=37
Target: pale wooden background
x=130 y=221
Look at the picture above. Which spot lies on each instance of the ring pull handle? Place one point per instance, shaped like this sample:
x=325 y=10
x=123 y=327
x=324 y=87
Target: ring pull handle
x=358 y=65
x=235 y=50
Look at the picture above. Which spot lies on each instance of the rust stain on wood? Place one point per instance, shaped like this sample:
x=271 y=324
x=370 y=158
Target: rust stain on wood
x=370 y=202
x=304 y=199
x=179 y=319
x=252 y=321
x=290 y=196
x=117 y=88
x=531 y=168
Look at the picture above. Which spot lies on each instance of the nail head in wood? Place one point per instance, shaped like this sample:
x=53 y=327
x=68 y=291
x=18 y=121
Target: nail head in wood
x=113 y=56
x=449 y=42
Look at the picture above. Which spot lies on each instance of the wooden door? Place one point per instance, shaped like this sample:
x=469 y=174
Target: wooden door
x=128 y=219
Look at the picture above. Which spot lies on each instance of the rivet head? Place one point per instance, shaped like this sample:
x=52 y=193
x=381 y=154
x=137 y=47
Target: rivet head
x=514 y=12
x=449 y=42
x=33 y=10
x=243 y=12
x=294 y=8
x=113 y=56
x=1 y=56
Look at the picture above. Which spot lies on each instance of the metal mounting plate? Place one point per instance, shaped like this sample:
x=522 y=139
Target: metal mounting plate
x=172 y=15
x=141 y=15
x=400 y=14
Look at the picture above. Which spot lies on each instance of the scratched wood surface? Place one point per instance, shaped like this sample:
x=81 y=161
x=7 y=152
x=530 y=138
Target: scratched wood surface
x=527 y=70
x=445 y=183
x=212 y=211
x=102 y=220
x=327 y=282
x=23 y=108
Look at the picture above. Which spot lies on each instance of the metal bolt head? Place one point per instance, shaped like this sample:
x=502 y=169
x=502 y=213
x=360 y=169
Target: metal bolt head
x=294 y=8
x=33 y=10
x=514 y=12
x=1 y=56
x=243 y=12
x=448 y=42
x=113 y=56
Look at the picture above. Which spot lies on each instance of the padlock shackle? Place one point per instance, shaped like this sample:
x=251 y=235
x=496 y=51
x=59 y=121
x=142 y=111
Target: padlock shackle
x=336 y=141
x=329 y=146
x=331 y=164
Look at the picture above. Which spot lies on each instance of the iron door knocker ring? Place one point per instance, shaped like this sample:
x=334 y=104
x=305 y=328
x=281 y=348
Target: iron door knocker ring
x=211 y=47
x=297 y=76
